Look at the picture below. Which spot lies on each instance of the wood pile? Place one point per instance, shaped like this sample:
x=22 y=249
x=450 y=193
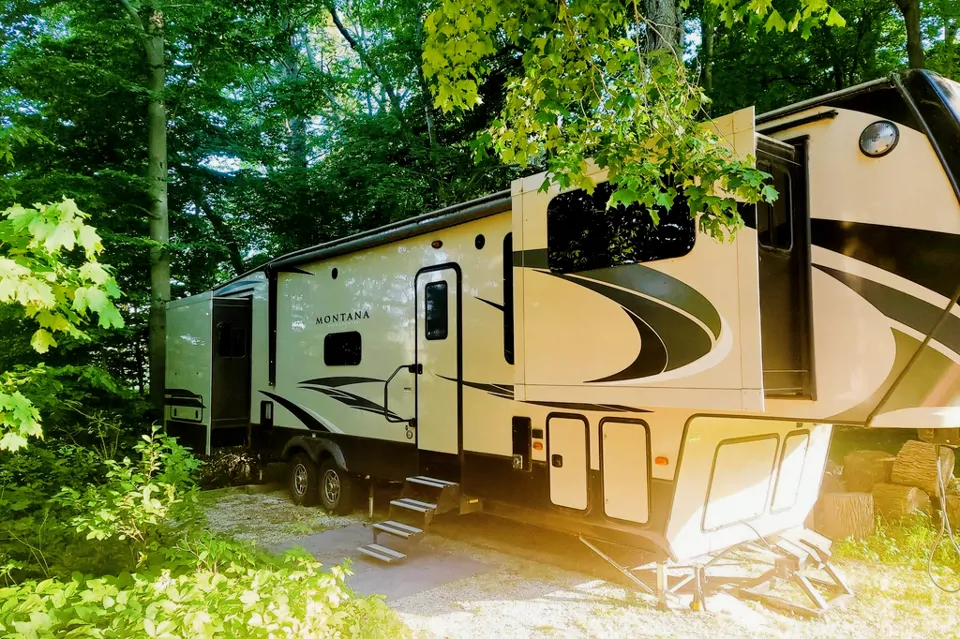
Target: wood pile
x=917 y=464
x=876 y=483
x=844 y=515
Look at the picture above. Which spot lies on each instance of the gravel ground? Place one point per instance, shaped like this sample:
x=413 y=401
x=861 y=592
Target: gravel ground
x=545 y=586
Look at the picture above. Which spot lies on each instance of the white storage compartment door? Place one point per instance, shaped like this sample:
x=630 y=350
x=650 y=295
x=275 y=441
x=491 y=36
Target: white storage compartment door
x=568 y=456
x=625 y=461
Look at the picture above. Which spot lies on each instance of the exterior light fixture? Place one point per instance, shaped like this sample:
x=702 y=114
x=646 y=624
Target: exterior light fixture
x=879 y=138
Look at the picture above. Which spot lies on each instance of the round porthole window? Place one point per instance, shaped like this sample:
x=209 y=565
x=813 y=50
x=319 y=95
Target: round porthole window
x=334 y=273
x=480 y=241
x=879 y=138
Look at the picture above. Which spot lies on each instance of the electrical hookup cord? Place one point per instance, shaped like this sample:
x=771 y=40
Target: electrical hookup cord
x=944 y=527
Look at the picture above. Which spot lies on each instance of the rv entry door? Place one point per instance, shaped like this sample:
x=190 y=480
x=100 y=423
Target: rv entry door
x=439 y=396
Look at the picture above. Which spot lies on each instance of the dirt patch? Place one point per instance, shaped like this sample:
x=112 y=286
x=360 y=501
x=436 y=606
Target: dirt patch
x=544 y=585
x=267 y=519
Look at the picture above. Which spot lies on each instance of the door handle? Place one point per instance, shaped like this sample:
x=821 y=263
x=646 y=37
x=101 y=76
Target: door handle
x=556 y=461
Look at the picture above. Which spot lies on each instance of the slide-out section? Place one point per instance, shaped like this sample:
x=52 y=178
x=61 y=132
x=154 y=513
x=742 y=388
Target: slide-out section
x=740 y=477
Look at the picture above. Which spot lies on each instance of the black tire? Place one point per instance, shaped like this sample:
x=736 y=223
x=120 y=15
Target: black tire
x=336 y=489
x=304 y=480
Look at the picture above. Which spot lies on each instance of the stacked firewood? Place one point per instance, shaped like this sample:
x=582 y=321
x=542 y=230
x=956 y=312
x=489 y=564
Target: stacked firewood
x=873 y=482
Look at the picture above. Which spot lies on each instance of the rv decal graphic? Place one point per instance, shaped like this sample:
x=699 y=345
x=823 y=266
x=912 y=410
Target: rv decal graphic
x=343 y=317
x=300 y=413
x=928 y=258
x=330 y=386
x=669 y=339
x=902 y=307
x=182 y=397
x=505 y=391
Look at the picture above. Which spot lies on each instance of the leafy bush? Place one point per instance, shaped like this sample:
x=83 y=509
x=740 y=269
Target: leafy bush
x=125 y=553
x=242 y=594
x=138 y=500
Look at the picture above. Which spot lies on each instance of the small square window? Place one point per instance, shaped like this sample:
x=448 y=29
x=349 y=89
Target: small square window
x=231 y=341
x=435 y=295
x=342 y=349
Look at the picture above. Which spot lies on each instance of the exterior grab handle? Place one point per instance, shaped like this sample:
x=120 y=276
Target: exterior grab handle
x=411 y=368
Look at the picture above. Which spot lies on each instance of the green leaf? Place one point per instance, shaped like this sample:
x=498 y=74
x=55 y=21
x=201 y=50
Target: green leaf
x=834 y=19
x=775 y=21
x=42 y=341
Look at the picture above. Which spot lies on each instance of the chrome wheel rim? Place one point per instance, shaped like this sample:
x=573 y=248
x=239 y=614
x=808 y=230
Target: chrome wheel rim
x=300 y=476
x=331 y=487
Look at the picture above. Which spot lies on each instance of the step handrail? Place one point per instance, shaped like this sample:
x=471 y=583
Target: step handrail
x=411 y=368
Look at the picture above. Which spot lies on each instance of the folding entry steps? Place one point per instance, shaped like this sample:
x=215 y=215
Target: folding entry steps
x=422 y=498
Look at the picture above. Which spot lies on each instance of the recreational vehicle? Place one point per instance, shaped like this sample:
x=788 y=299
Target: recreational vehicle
x=541 y=357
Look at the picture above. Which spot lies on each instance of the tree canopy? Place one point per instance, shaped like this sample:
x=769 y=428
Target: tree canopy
x=211 y=136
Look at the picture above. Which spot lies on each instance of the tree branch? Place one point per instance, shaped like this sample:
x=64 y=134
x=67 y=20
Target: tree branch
x=134 y=16
x=362 y=54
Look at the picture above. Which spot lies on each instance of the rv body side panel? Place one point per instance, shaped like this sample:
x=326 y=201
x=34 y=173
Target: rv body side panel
x=187 y=395
x=883 y=232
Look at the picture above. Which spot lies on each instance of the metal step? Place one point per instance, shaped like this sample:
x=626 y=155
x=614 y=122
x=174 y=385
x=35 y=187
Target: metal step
x=382 y=553
x=430 y=481
x=397 y=529
x=413 y=504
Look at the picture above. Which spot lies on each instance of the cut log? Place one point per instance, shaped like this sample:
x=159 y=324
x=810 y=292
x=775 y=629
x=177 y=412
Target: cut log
x=917 y=464
x=953 y=512
x=844 y=515
x=863 y=469
x=893 y=501
x=831 y=484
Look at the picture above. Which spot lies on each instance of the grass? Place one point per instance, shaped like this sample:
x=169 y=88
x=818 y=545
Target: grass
x=905 y=544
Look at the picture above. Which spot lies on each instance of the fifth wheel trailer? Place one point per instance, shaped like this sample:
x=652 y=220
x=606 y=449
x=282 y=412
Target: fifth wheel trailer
x=584 y=370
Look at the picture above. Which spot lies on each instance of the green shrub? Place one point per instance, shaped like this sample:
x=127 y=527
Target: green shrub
x=241 y=593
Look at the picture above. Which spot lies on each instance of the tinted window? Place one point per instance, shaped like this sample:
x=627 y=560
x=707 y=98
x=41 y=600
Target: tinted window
x=436 y=299
x=342 y=349
x=775 y=221
x=231 y=340
x=583 y=234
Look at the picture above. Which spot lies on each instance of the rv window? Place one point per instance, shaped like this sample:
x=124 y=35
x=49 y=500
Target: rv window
x=583 y=234
x=231 y=340
x=436 y=298
x=342 y=349
x=775 y=221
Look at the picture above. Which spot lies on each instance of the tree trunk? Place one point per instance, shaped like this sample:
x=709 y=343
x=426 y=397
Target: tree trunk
x=894 y=502
x=159 y=221
x=863 y=469
x=844 y=515
x=664 y=26
x=917 y=464
x=297 y=125
x=911 y=17
x=708 y=27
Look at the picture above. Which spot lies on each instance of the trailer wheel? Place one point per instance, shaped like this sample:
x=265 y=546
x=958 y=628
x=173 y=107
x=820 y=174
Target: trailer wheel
x=336 y=488
x=304 y=479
